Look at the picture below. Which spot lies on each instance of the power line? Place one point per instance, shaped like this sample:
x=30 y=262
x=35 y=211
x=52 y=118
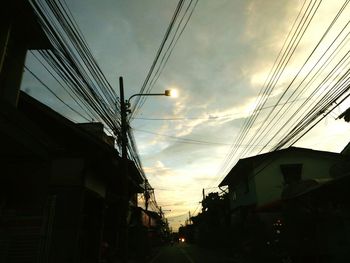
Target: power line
x=263 y=131
x=162 y=56
x=71 y=63
x=165 y=38
x=54 y=94
x=333 y=86
x=289 y=46
x=76 y=98
x=182 y=140
x=71 y=59
x=170 y=48
x=210 y=117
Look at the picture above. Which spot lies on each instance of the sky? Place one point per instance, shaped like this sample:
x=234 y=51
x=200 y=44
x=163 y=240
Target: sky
x=218 y=66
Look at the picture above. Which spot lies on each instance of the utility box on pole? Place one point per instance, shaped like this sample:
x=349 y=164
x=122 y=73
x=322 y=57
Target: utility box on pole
x=123 y=238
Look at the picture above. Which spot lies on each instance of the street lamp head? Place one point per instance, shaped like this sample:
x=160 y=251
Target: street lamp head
x=171 y=92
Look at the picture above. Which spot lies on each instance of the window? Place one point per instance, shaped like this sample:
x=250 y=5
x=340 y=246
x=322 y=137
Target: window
x=234 y=196
x=291 y=172
x=246 y=186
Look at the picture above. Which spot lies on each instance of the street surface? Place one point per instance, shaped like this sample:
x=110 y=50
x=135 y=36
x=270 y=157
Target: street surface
x=187 y=253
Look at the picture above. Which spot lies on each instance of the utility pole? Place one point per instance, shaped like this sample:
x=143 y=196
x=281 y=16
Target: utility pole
x=203 y=198
x=147 y=195
x=123 y=111
x=124 y=105
x=123 y=241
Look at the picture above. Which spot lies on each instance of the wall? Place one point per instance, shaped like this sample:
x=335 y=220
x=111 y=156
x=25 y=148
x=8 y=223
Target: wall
x=269 y=179
x=242 y=194
x=95 y=183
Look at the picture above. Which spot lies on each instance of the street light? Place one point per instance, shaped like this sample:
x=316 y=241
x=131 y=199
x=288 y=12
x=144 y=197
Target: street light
x=168 y=93
x=125 y=108
x=171 y=93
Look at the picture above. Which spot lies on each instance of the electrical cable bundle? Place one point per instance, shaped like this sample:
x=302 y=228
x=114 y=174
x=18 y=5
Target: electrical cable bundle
x=322 y=67
x=71 y=63
x=289 y=46
x=307 y=98
x=174 y=31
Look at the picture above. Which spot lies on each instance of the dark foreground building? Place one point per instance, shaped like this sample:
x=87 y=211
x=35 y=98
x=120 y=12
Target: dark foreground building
x=61 y=196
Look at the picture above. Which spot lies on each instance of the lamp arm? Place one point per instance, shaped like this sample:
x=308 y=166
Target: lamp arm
x=150 y=94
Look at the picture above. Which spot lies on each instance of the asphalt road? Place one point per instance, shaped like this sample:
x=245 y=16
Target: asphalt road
x=186 y=253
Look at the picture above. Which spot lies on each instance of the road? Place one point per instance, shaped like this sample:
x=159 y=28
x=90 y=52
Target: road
x=187 y=253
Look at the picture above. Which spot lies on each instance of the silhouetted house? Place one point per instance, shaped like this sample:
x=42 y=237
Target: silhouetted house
x=293 y=202
x=209 y=228
x=155 y=226
x=63 y=194
x=261 y=181
x=318 y=220
x=60 y=182
x=147 y=230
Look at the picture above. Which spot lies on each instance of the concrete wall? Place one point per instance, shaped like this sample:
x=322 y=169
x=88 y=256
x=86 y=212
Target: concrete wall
x=242 y=194
x=269 y=179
